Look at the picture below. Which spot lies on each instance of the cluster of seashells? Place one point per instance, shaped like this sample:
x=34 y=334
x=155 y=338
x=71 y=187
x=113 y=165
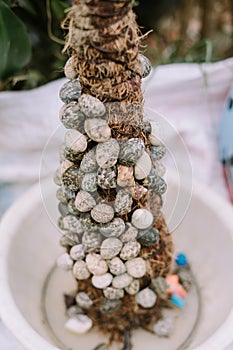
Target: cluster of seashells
x=104 y=236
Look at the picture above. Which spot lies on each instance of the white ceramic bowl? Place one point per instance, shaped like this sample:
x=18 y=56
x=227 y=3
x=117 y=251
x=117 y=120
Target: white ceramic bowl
x=29 y=246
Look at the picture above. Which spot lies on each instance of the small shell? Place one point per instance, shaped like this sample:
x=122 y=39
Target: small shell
x=88 y=223
x=96 y=264
x=125 y=176
x=106 y=178
x=130 y=234
x=130 y=151
x=145 y=65
x=156 y=134
x=123 y=202
x=88 y=163
x=133 y=288
x=70 y=178
x=91 y=106
x=72 y=208
x=160 y=287
x=75 y=141
x=69 y=239
x=89 y=182
x=65 y=164
x=163 y=327
x=77 y=252
x=185 y=278
x=91 y=241
x=102 y=213
x=61 y=196
x=154 y=203
x=84 y=201
x=116 y=266
x=74 y=310
x=143 y=166
x=71 y=116
x=97 y=129
x=69 y=69
x=146 y=298
x=102 y=281
x=113 y=229
x=138 y=191
x=63 y=209
x=154 y=181
x=79 y=324
x=83 y=300
x=113 y=293
x=160 y=168
x=157 y=152
x=80 y=270
x=65 y=262
x=142 y=218
x=130 y=250
x=70 y=91
x=107 y=153
x=149 y=237
x=110 y=248
x=136 y=267
x=68 y=194
x=122 y=281
x=146 y=127
x=108 y=306
x=71 y=223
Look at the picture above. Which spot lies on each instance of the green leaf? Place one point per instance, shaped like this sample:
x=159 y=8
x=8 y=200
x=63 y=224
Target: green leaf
x=15 y=45
x=26 y=4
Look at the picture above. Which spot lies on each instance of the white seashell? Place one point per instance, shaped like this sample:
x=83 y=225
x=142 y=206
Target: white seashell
x=146 y=298
x=74 y=310
x=65 y=262
x=110 y=248
x=102 y=213
x=84 y=201
x=96 y=264
x=138 y=191
x=77 y=252
x=136 y=267
x=89 y=182
x=113 y=293
x=97 y=129
x=163 y=327
x=79 y=324
x=91 y=106
x=130 y=234
x=156 y=134
x=75 y=141
x=102 y=281
x=106 y=178
x=71 y=223
x=142 y=218
x=123 y=202
x=113 y=229
x=125 y=176
x=107 y=153
x=83 y=300
x=116 y=266
x=69 y=69
x=130 y=250
x=80 y=270
x=122 y=281
x=70 y=91
x=143 y=166
x=91 y=241
x=88 y=163
x=145 y=65
x=133 y=288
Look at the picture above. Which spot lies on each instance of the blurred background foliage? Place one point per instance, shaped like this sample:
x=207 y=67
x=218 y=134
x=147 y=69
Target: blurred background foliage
x=31 y=38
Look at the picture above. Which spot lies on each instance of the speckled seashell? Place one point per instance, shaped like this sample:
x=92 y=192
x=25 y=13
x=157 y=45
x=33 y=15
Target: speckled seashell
x=91 y=241
x=71 y=223
x=103 y=281
x=116 y=266
x=160 y=287
x=146 y=127
x=69 y=195
x=142 y=219
x=130 y=250
x=113 y=293
x=84 y=201
x=160 y=168
x=156 y=134
x=91 y=106
x=97 y=129
x=61 y=196
x=133 y=288
x=122 y=281
x=65 y=164
x=106 y=178
x=79 y=324
x=130 y=234
x=143 y=166
x=72 y=208
x=123 y=202
x=96 y=264
x=154 y=203
x=70 y=91
x=63 y=209
x=102 y=213
x=163 y=327
x=125 y=176
x=77 y=252
x=65 y=262
x=108 y=306
x=185 y=278
x=74 y=310
x=114 y=228
x=145 y=65
x=80 y=270
x=88 y=223
x=148 y=237
x=70 y=178
x=136 y=267
x=69 y=239
x=69 y=69
x=88 y=163
x=153 y=180
x=71 y=116
x=75 y=141
x=146 y=298
x=157 y=152
x=107 y=153
x=138 y=191
x=89 y=182
x=72 y=155
x=130 y=151
x=110 y=248
x=83 y=300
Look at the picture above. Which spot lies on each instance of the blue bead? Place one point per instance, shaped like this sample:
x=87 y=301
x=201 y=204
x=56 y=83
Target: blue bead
x=181 y=259
x=177 y=301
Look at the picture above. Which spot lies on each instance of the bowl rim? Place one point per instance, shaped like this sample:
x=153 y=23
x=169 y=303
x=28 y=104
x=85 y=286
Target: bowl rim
x=12 y=317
